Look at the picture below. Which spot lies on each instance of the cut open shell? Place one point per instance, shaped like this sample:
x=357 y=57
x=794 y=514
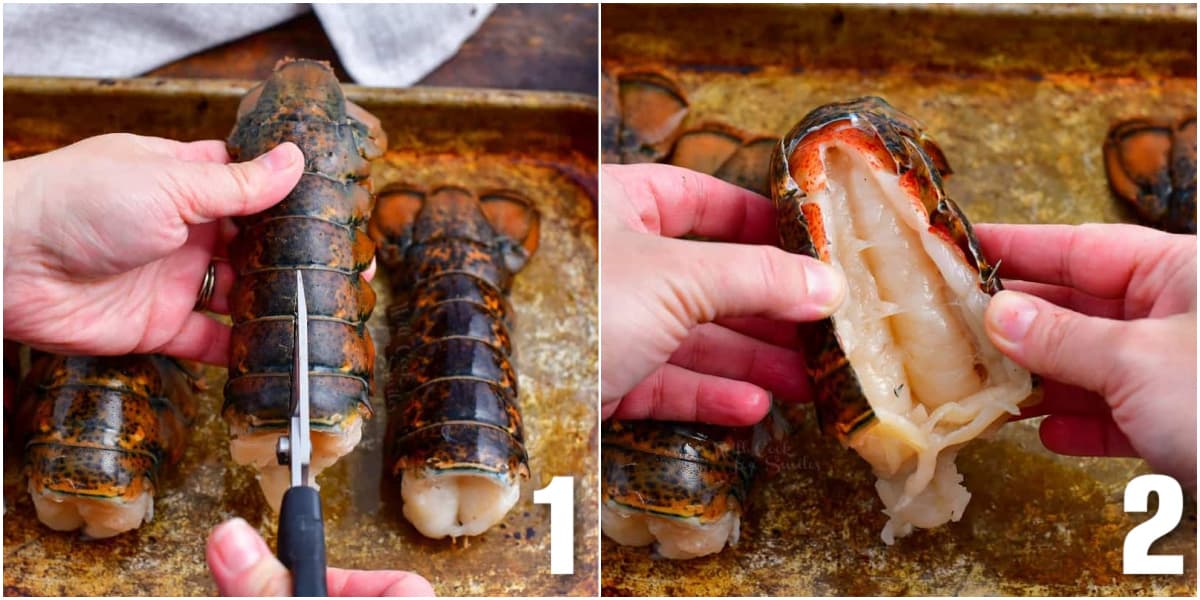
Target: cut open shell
x=904 y=372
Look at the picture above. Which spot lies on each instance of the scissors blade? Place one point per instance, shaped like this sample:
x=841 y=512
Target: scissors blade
x=299 y=432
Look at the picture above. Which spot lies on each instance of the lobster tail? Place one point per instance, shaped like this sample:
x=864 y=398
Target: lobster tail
x=102 y=429
x=452 y=391
x=681 y=486
x=320 y=228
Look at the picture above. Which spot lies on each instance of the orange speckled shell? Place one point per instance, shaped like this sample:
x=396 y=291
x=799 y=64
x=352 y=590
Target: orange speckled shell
x=678 y=470
x=102 y=427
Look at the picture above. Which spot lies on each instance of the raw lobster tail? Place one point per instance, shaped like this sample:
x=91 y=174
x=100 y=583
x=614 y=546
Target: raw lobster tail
x=680 y=485
x=318 y=227
x=101 y=430
x=452 y=390
x=903 y=371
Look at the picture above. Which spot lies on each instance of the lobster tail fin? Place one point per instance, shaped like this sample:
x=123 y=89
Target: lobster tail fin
x=391 y=226
x=513 y=218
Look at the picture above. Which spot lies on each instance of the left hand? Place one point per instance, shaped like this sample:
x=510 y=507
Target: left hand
x=106 y=242
x=692 y=330
x=243 y=565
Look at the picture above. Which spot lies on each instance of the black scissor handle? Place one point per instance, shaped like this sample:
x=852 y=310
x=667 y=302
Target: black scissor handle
x=302 y=541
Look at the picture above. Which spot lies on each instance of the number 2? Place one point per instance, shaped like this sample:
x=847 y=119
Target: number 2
x=560 y=495
x=1137 y=558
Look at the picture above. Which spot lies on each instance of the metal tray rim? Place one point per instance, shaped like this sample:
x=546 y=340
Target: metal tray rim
x=417 y=95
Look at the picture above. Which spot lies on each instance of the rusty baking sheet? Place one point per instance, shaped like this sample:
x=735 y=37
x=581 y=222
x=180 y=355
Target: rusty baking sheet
x=542 y=145
x=1020 y=98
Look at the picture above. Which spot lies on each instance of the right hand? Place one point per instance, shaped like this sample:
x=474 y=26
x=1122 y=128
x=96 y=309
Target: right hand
x=1107 y=313
x=243 y=565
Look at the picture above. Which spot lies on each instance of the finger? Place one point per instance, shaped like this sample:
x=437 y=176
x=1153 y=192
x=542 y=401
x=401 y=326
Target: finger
x=373 y=584
x=369 y=274
x=676 y=394
x=213 y=151
x=1084 y=435
x=1055 y=342
x=715 y=280
x=1071 y=298
x=673 y=201
x=771 y=331
x=220 y=299
x=228 y=231
x=1097 y=259
x=199 y=151
x=242 y=564
x=1060 y=398
x=203 y=192
x=201 y=338
x=715 y=350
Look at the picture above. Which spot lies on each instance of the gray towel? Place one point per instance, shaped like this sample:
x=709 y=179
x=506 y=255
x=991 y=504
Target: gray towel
x=379 y=44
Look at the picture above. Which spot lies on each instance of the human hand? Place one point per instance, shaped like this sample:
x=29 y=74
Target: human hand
x=1108 y=315
x=243 y=565
x=106 y=242
x=699 y=330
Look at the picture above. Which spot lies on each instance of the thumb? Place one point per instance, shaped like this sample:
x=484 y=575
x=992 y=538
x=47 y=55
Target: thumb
x=242 y=564
x=206 y=191
x=730 y=280
x=1055 y=342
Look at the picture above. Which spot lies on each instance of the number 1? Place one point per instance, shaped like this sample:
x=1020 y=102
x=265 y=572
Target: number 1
x=560 y=495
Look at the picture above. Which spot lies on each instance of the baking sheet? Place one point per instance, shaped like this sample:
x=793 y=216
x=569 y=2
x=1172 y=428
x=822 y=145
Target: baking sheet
x=541 y=145
x=1020 y=98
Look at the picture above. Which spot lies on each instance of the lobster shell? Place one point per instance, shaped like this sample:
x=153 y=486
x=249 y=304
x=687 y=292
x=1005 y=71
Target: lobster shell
x=452 y=392
x=320 y=228
x=685 y=471
x=104 y=427
x=1151 y=164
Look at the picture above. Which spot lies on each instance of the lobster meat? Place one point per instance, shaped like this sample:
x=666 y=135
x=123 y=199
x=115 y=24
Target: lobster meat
x=318 y=227
x=903 y=371
x=102 y=430
x=454 y=426
x=681 y=486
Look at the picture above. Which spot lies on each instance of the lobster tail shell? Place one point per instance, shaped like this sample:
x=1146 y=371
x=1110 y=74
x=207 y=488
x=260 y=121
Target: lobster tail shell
x=318 y=227
x=1151 y=164
x=680 y=470
x=103 y=427
x=452 y=392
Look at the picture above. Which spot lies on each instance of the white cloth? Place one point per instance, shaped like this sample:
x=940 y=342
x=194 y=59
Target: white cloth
x=379 y=44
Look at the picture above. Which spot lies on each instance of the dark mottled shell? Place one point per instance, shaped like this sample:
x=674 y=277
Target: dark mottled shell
x=103 y=427
x=318 y=227
x=894 y=140
x=1151 y=164
x=452 y=391
x=678 y=470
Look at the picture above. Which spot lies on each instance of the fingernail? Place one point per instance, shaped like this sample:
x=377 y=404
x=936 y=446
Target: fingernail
x=237 y=545
x=278 y=159
x=825 y=286
x=1011 y=314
